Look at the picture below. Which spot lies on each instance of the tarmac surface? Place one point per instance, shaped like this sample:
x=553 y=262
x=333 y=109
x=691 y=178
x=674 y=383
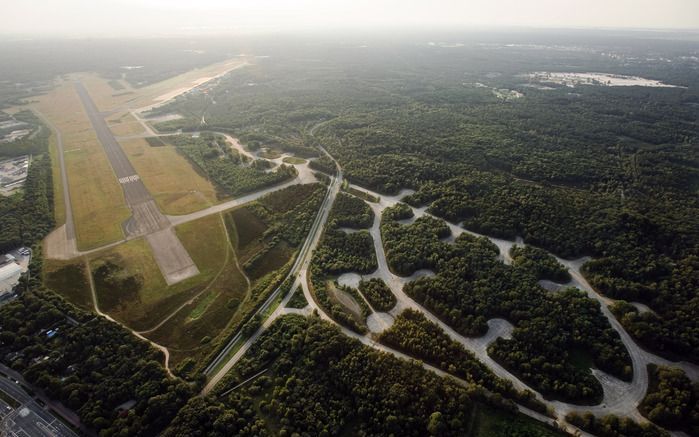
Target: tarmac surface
x=146 y=220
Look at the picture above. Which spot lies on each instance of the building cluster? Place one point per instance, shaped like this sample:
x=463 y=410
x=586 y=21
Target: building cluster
x=13 y=173
x=11 y=129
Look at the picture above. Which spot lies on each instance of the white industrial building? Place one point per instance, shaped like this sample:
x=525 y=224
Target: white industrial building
x=11 y=269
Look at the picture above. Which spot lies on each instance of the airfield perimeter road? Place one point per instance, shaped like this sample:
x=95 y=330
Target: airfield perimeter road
x=146 y=220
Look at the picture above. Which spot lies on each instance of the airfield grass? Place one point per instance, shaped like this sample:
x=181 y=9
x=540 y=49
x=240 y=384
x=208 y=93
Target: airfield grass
x=489 y=422
x=97 y=199
x=125 y=129
x=69 y=279
x=176 y=186
x=59 y=207
x=139 y=296
x=200 y=327
x=294 y=160
x=103 y=94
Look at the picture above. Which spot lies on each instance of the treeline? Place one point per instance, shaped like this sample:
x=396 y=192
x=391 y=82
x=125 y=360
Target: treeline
x=413 y=334
x=614 y=426
x=27 y=216
x=289 y=213
x=672 y=400
x=341 y=252
x=224 y=167
x=90 y=364
x=320 y=382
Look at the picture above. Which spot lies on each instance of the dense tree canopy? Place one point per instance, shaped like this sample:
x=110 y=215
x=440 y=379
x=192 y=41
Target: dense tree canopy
x=320 y=382
x=91 y=365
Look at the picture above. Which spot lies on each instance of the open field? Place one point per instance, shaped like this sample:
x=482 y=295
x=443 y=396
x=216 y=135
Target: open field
x=69 y=279
x=97 y=199
x=170 y=178
x=223 y=287
x=126 y=129
x=293 y=160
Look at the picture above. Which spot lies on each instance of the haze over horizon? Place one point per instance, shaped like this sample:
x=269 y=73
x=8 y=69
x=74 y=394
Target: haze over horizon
x=133 y=18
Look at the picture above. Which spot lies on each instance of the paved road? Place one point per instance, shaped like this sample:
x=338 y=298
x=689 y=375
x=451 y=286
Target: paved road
x=29 y=418
x=146 y=220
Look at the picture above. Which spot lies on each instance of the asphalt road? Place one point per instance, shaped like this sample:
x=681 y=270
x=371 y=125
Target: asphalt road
x=146 y=220
x=29 y=418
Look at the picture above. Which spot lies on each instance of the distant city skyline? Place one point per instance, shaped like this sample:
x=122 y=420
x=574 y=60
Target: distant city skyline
x=173 y=17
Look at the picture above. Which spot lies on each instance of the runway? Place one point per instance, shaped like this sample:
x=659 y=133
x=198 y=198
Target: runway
x=146 y=220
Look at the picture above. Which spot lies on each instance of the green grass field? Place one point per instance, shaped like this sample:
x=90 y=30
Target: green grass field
x=293 y=160
x=176 y=186
x=488 y=422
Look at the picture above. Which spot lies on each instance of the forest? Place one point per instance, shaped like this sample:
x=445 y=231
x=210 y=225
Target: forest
x=27 y=215
x=601 y=171
x=672 y=400
x=320 y=382
x=413 y=334
x=91 y=365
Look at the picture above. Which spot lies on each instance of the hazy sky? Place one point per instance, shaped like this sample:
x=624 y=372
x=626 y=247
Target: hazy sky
x=158 y=17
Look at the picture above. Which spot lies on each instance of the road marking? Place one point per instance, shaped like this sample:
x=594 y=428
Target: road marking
x=127 y=179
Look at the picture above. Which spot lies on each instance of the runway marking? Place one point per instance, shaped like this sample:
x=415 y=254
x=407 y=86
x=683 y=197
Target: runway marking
x=127 y=179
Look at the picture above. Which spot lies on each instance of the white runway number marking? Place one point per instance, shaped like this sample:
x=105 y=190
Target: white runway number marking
x=127 y=179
